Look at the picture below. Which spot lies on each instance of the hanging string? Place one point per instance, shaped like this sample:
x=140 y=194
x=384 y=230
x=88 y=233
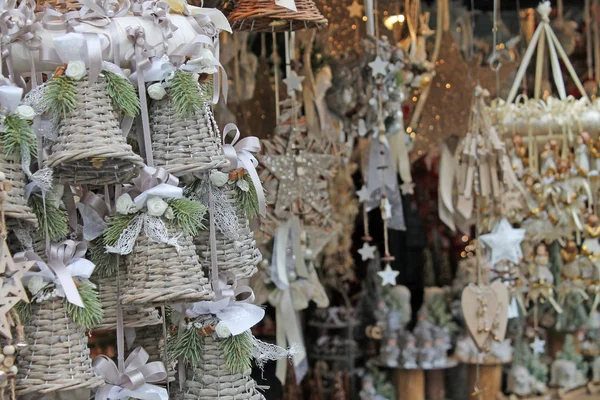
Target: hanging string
x=588 y=39
x=276 y=73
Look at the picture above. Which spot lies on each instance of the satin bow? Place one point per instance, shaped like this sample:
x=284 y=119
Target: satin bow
x=93 y=210
x=104 y=8
x=154 y=182
x=65 y=262
x=239 y=153
x=238 y=315
x=159 y=12
x=135 y=381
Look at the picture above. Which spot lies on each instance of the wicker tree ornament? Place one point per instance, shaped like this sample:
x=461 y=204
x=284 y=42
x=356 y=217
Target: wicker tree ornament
x=91 y=148
x=268 y=16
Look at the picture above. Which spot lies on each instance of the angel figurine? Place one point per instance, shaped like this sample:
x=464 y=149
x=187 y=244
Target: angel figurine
x=595 y=150
x=542 y=272
x=549 y=156
x=582 y=160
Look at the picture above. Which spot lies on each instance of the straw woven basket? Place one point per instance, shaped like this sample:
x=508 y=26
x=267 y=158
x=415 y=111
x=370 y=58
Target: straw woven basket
x=133 y=316
x=14 y=204
x=239 y=256
x=212 y=379
x=156 y=273
x=184 y=145
x=151 y=338
x=62 y=6
x=90 y=148
x=57 y=357
x=266 y=16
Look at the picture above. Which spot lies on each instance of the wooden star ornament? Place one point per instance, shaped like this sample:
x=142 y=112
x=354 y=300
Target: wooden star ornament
x=14 y=271
x=355 y=9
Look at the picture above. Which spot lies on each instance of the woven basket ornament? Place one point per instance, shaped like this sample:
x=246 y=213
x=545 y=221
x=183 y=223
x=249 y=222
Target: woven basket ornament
x=240 y=255
x=213 y=380
x=267 y=16
x=185 y=145
x=91 y=148
x=14 y=204
x=133 y=316
x=151 y=338
x=158 y=273
x=57 y=357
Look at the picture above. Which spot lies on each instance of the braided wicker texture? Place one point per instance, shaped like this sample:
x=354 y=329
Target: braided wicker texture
x=152 y=340
x=15 y=205
x=133 y=316
x=184 y=145
x=239 y=256
x=57 y=357
x=266 y=16
x=212 y=379
x=62 y=6
x=90 y=148
x=156 y=273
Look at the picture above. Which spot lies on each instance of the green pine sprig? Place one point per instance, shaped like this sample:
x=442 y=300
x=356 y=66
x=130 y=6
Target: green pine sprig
x=60 y=96
x=187 y=345
x=116 y=226
x=122 y=94
x=91 y=313
x=23 y=311
x=185 y=94
x=52 y=220
x=188 y=215
x=248 y=200
x=237 y=351
x=17 y=136
x=105 y=262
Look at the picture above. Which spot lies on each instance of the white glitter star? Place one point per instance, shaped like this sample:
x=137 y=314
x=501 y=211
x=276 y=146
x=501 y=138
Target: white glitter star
x=538 y=346
x=367 y=252
x=378 y=66
x=294 y=82
x=407 y=188
x=504 y=243
x=388 y=276
x=363 y=194
x=356 y=9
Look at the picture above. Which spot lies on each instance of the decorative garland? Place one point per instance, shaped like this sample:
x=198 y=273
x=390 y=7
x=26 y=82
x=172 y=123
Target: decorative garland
x=116 y=225
x=246 y=196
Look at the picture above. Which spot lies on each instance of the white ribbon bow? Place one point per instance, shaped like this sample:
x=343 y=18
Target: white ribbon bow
x=65 y=262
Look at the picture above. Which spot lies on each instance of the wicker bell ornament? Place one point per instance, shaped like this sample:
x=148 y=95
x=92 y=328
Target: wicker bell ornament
x=91 y=148
x=267 y=16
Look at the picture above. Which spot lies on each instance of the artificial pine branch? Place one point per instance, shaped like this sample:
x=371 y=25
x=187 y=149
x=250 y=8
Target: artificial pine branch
x=188 y=215
x=116 y=226
x=187 y=345
x=60 y=96
x=52 y=220
x=248 y=200
x=237 y=351
x=24 y=311
x=185 y=94
x=122 y=94
x=17 y=136
x=105 y=262
x=91 y=313
x=569 y=353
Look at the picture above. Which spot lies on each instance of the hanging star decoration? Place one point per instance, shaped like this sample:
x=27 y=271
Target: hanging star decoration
x=293 y=82
x=538 y=346
x=11 y=287
x=295 y=168
x=504 y=243
x=356 y=10
x=388 y=276
x=378 y=67
x=367 y=252
x=363 y=194
x=407 y=188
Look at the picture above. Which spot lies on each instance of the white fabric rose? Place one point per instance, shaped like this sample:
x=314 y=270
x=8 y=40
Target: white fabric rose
x=156 y=91
x=25 y=112
x=125 y=204
x=169 y=213
x=222 y=330
x=218 y=178
x=76 y=70
x=35 y=284
x=207 y=62
x=156 y=206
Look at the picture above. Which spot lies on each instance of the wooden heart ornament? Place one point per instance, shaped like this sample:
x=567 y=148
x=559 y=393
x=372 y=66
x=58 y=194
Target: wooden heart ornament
x=501 y=320
x=479 y=304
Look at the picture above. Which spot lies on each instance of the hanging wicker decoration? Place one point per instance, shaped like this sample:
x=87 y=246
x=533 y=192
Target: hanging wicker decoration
x=14 y=204
x=267 y=16
x=133 y=316
x=184 y=144
x=91 y=148
x=151 y=338
x=57 y=357
x=213 y=380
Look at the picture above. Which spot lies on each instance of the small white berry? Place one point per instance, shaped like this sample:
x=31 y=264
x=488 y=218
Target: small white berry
x=8 y=350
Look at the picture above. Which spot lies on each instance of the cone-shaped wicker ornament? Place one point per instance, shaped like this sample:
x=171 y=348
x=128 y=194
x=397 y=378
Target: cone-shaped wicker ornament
x=91 y=148
x=57 y=357
x=14 y=204
x=267 y=16
x=213 y=380
x=151 y=338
